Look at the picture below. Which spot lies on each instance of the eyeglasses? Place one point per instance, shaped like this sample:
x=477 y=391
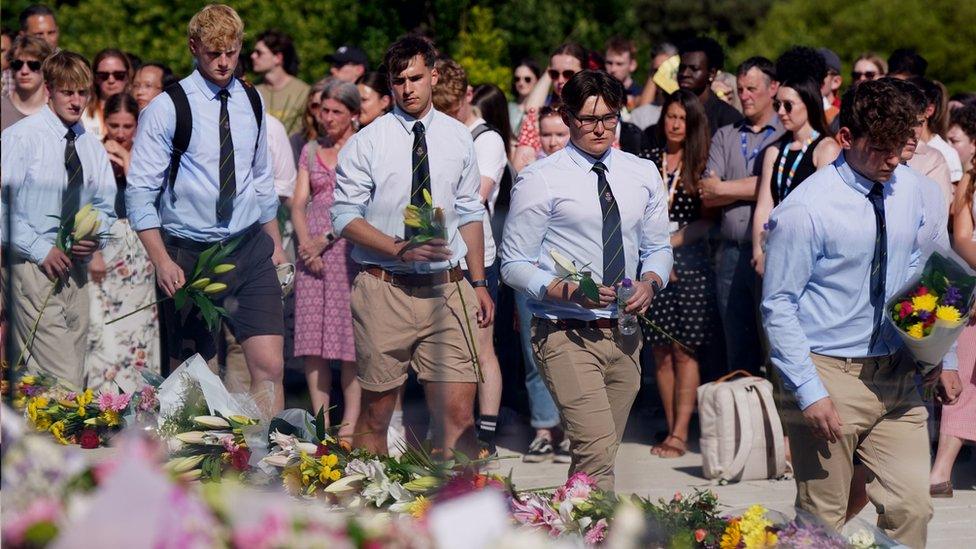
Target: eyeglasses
x=526 y=79
x=867 y=75
x=118 y=75
x=554 y=74
x=18 y=64
x=588 y=123
x=787 y=105
x=140 y=86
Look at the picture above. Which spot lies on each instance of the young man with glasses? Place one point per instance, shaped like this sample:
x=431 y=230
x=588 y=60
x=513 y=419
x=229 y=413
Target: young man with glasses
x=606 y=210
x=150 y=80
x=28 y=95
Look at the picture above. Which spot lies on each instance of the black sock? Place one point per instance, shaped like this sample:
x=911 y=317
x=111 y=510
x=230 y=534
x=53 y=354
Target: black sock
x=486 y=430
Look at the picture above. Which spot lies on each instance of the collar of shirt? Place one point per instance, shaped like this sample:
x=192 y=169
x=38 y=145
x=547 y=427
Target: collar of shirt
x=54 y=122
x=209 y=89
x=408 y=121
x=852 y=177
x=474 y=123
x=584 y=160
x=745 y=126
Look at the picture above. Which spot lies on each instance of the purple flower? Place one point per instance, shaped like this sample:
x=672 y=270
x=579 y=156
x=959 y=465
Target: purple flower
x=923 y=315
x=952 y=296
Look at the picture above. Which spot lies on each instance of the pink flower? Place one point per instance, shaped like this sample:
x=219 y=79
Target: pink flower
x=147 y=399
x=533 y=511
x=577 y=489
x=700 y=535
x=115 y=403
x=677 y=496
x=40 y=511
x=597 y=533
x=268 y=533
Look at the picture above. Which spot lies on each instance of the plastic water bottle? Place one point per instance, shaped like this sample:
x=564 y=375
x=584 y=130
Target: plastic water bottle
x=627 y=322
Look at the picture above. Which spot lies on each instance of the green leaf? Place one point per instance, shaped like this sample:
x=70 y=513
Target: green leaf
x=179 y=298
x=222 y=252
x=203 y=260
x=590 y=289
x=320 y=424
x=207 y=310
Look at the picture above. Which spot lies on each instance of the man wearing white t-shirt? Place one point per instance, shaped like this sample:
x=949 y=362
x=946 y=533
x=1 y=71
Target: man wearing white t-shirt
x=452 y=96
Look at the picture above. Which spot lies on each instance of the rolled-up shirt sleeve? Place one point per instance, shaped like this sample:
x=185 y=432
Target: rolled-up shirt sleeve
x=656 y=255
x=15 y=158
x=791 y=251
x=528 y=217
x=354 y=184
x=263 y=181
x=151 y=153
x=467 y=204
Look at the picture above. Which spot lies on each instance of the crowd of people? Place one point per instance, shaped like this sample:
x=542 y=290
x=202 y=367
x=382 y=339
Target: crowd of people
x=759 y=219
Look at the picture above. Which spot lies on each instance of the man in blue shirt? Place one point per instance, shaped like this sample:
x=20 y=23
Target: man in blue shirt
x=52 y=167
x=223 y=191
x=601 y=207
x=838 y=248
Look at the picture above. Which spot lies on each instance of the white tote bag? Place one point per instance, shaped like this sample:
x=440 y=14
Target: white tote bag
x=741 y=433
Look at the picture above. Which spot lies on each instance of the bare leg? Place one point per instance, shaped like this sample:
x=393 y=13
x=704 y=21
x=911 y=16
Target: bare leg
x=352 y=396
x=319 y=378
x=686 y=388
x=945 y=457
x=451 y=410
x=489 y=392
x=664 y=372
x=374 y=419
x=266 y=362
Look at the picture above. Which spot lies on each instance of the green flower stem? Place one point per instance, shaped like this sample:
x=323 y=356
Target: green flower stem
x=657 y=328
x=469 y=334
x=37 y=322
x=143 y=308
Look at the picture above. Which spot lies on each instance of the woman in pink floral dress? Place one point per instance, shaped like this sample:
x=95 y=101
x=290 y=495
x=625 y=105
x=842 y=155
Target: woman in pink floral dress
x=323 y=318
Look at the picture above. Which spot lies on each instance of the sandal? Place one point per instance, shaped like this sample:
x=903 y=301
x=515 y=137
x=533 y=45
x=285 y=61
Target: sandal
x=941 y=490
x=674 y=451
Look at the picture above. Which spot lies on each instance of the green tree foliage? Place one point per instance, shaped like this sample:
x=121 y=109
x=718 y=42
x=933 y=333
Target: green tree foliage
x=936 y=28
x=481 y=50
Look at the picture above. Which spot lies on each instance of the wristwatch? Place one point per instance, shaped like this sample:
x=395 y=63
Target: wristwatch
x=329 y=237
x=655 y=286
x=483 y=283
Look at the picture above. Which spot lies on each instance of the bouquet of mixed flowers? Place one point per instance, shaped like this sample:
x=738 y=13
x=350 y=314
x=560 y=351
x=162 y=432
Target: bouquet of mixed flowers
x=752 y=530
x=214 y=445
x=930 y=311
x=578 y=507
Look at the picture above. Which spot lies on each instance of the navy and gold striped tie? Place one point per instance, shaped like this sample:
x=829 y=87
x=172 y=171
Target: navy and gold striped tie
x=879 y=262
x=613 y=242
x=71 y=199
x=421 y=170
x=228 y=182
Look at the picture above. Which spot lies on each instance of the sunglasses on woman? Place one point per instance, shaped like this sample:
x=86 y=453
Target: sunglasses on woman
x=787 y=105
x=554 y=74
x=18 y=64
x=870 y=75
x=118 y=75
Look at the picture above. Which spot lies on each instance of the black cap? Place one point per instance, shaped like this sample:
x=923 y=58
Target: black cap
x=347 y=55
x=831 y=59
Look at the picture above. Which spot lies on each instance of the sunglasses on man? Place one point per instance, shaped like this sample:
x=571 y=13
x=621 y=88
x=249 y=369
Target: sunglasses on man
x=104 y=75
x=554 y=74
x=18 y=64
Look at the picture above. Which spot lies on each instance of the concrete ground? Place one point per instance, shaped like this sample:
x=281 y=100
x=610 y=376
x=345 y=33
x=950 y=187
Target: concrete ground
x=638 y=472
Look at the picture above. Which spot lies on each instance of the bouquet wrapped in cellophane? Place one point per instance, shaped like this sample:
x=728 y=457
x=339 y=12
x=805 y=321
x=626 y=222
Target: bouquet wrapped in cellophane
x=930 y=311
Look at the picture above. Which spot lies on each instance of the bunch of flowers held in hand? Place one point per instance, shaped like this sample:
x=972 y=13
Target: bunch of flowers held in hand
x=918 y=312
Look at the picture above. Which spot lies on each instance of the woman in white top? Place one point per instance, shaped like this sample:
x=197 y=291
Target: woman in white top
x=112 y=72
x=937 y=123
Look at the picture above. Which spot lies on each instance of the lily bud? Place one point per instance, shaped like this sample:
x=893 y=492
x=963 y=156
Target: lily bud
x=224 y=268
x=215 y=288
x=200 y=284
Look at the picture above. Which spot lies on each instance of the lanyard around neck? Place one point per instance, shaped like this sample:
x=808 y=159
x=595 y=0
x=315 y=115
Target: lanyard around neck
x=670 y=181
x=744 y=142
x=784 y=186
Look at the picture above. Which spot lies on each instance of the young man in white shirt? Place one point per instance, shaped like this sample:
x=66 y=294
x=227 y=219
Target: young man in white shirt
x=603 y=208
x=452 y=95
x=407 y=303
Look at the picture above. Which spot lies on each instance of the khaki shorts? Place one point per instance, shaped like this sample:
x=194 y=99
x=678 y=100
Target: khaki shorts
x=397 y=327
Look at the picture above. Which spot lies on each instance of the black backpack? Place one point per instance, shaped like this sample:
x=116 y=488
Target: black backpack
x=184 y=123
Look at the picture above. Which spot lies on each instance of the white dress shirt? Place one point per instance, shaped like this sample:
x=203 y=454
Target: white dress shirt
x=375 y=174
x=950 y=154
x=281 y=159
x=33 y=171
x=555 y=206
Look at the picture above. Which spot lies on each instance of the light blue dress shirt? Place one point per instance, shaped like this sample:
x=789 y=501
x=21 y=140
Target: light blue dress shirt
x=555 y=206
x=375 y=174
x=34 y=174
x=818 y=258
x=190 y=209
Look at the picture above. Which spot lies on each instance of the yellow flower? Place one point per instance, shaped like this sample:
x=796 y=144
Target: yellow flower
x=419 y=507
x=292 y=480
x=335 y=475
x=732 y=536
x=948 y=313
x=28 y=380
x=57 y=429
x=111 y=418
x=43 y=423
x=925 y=302
x=324 y=475
x=84 y=399
x=917 y=330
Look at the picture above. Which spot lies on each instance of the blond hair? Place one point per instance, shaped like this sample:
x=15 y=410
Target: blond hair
x=33 y=46
x=451 y=87
x=217 y=27
x=67 y=70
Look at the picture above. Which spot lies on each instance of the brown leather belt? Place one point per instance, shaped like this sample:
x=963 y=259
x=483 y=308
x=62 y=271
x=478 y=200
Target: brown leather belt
x=414 y=280
x=573 y=324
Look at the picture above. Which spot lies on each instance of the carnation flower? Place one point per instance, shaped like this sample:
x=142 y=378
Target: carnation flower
x=917 y=330
x=925 y=302
x=948 y=313
x=597 y=533
x=115 y=403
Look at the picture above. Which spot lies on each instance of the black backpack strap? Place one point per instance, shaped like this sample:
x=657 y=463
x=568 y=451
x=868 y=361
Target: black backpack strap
x=184 y=128
x=480 y=129
x=255 y=99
